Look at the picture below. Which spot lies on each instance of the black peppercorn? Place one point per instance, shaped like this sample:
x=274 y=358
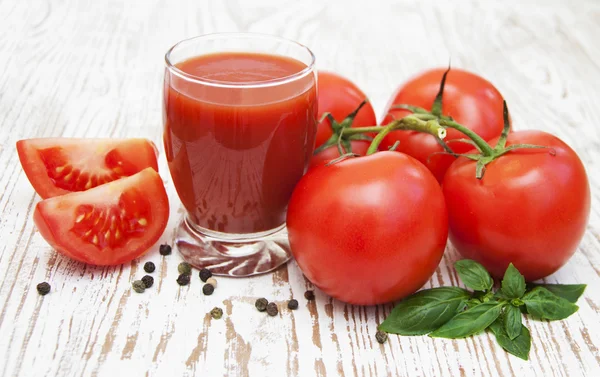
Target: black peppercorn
x=293 y=304
x=309 y=295
x=216 y=313
x=184 y=268
x=183 y=279
x=148 y=281
x=138 y=286
x=272 y=309
x=205 y=274
x=208 y=289
x=43 y=288
x=381 y=337
x=261 y=304
x=165 y=249
x=149 y=267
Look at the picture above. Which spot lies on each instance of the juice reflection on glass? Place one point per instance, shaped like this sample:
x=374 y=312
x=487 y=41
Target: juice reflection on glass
x=239 y=125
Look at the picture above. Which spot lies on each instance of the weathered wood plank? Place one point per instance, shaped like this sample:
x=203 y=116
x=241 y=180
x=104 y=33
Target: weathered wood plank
x=86 y=68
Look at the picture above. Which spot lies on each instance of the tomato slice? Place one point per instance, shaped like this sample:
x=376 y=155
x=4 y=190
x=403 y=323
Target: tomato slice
x=109 y=224
x=57 y=166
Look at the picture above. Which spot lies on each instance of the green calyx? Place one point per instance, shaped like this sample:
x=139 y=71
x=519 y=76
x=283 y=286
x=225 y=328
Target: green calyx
x=339 y=138
x=343 y=132
x=486 y=153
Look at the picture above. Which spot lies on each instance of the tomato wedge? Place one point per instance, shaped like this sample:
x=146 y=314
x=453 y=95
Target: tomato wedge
x=57 y=166
x=109 y=224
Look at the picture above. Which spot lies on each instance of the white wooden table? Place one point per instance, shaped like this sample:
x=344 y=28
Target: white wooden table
x=94 y=68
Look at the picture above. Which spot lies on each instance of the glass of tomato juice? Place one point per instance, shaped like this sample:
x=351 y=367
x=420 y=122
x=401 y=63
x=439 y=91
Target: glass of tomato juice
x=240 y=117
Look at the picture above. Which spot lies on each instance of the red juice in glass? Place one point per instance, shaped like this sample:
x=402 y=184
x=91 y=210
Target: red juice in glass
x=239 y=129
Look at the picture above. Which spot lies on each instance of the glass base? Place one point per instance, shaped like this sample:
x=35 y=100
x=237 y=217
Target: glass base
x=235 y=255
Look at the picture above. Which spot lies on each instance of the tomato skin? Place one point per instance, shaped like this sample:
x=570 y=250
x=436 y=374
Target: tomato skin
x=57 y=218
x=530 y=208
x=368 y=230
x=96 y=161
x=470 y=99
x=359 y=147
x=339 y=96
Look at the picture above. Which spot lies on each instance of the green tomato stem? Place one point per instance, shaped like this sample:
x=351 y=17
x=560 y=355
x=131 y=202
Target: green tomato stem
x=362 y=130
x=379 y=138
x=409 y=123
x=483 y=146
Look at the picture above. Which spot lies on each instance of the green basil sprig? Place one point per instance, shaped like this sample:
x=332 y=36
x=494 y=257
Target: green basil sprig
x=452 y=312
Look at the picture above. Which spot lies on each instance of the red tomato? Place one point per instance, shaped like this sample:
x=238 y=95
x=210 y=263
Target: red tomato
x=530 y=208
x=368 y=230
x=359 y=147
x=109 y=224
x=471 y=100
x=57 y=166
x=339 y=96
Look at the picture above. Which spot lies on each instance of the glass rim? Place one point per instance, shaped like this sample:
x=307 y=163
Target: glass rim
x=250 y=84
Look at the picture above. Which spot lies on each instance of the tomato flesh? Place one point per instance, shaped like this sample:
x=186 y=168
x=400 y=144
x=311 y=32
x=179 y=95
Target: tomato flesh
x=109 y=224
x=368 y=230
x=56 y=166
x=468 y=98
x=530 y=208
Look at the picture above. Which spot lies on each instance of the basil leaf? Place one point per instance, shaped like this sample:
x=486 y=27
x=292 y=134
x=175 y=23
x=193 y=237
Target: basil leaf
x=518 y=346
x=513 y=284
x=470 y=322
x=474 y=275
x=425 y=311
x=512 y=321
x=570 y=292
x=542 y=303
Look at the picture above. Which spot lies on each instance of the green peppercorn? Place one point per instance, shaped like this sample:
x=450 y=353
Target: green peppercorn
x=208 y=289
x=381 y=337
x=293 y=304
x=164 y=249
x=272 y=309
x=205 y=274
x=138 y=286
x=183 y=279
x=216 y=313
x=148 y=281
x=149 y=267
x=261 y=304
x=184 y=268
x=309 y=295
x=43 y=288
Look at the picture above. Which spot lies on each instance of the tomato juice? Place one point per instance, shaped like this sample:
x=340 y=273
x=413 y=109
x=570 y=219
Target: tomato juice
x=239 y=130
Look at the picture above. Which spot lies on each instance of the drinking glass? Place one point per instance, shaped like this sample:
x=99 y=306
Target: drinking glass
x=240 y=117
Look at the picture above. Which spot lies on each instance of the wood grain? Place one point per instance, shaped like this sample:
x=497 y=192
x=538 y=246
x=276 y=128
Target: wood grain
x=90 y=68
